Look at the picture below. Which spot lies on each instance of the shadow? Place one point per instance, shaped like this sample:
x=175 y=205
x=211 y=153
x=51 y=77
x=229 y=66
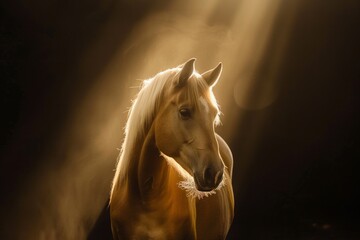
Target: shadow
x=102 y=227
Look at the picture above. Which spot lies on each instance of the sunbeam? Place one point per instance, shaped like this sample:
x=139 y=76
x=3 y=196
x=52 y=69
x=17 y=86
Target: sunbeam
x=74 y=70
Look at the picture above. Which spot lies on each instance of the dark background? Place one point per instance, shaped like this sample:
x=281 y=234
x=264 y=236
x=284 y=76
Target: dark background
x=303 y=180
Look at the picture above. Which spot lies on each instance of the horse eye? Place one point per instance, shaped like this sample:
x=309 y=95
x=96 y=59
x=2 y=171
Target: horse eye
x=185 y=113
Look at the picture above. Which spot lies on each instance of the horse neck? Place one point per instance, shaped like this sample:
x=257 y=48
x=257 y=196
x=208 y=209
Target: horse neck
x=148 y=171
x=153 y=181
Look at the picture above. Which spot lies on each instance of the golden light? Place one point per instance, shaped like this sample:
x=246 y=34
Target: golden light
x=237 y=33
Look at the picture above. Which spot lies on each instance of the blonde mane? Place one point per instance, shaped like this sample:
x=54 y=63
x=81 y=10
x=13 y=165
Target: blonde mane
x=142 y=113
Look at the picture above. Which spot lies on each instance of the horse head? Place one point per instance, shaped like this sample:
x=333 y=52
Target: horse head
x=185 y=125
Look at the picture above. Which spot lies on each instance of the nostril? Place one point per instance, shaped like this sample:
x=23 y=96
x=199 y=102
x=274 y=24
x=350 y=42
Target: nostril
x=208 y=176
x=212 y=178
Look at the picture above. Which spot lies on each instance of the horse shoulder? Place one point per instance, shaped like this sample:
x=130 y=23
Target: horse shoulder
x=226 y=154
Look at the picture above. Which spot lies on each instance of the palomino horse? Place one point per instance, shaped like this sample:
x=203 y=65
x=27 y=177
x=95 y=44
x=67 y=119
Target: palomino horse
x=173 y=177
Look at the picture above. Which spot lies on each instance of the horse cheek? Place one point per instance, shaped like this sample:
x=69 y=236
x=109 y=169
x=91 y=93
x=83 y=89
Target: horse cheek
x=164 y=139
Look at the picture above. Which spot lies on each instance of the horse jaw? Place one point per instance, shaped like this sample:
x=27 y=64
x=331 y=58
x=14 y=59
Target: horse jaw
x=188 y=184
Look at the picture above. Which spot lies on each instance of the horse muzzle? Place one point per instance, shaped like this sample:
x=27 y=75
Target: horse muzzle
x=209 y=179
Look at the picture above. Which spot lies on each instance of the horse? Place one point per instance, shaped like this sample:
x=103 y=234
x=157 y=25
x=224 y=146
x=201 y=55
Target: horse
x=173 y=175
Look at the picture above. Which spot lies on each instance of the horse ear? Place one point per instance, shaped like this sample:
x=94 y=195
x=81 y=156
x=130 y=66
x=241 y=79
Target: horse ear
x=213 y=75
x=186 y=72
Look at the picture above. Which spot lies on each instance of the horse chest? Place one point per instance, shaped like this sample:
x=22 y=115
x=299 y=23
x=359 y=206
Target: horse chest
x=160 y=225
x=149 y=226
x=160 y=221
